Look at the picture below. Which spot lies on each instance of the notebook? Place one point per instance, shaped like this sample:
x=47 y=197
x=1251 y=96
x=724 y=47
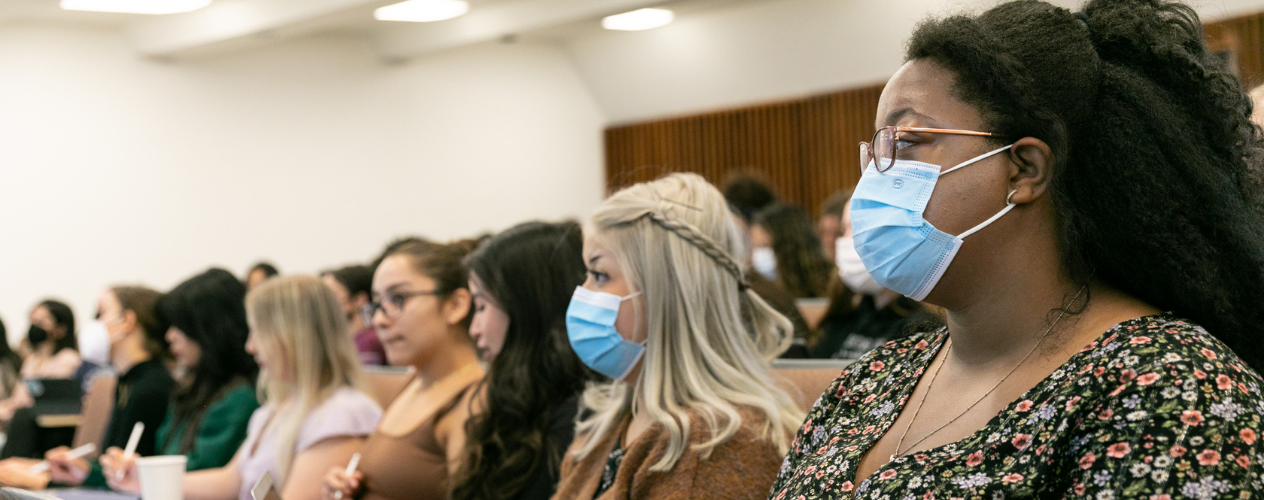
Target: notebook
x=265 y=488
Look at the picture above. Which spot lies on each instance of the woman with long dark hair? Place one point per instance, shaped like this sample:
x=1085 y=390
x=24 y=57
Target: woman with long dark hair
x=209 y=412
x=786 y=250
x=522 y=281
x=1081 y=192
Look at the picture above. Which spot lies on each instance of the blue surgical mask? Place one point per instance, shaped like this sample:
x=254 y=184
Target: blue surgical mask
x=903 y=251
x=590 y=327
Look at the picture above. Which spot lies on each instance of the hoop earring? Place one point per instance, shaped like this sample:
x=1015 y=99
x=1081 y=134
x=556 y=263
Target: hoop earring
x=1011 y=195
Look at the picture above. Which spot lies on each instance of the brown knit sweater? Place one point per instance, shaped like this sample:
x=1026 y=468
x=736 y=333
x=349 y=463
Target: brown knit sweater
x=741 y=468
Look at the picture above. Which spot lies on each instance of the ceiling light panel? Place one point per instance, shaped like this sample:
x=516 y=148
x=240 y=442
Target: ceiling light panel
x=155 y=7
x=422 y=11
x=638 y=20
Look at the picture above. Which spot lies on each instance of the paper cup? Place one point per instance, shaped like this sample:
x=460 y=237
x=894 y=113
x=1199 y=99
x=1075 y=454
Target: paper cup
x=162 y=477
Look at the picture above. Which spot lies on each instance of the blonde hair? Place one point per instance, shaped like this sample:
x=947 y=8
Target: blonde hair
x=710 y=339
x=299 y=321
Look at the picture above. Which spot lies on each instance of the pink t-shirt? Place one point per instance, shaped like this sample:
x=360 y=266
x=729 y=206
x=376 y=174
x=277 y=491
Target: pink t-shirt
x=347 y=413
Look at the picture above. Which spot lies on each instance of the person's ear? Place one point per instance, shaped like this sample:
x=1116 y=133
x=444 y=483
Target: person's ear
x=130 y=322
x=457 y=307
x=1031 y=163
x=359 y=300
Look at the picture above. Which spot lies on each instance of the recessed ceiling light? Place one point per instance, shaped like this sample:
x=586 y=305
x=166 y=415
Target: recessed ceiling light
x=637 y=20
x=422 y=11
x=136 y=6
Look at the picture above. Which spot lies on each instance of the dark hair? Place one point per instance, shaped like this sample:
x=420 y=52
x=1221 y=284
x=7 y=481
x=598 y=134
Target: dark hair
x=530 y=270
x=802 y=269
x=1156 y=179
x=65 y=318
x=269 y=270
x=142 y=302
x=357 y=279
x=442 y=263
x=747 y=194
x=210 y=310
x=836 y=203
x=7 y=356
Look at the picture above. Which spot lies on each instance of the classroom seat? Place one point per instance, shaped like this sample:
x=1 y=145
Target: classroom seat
x=807 y=379
x=90 y=423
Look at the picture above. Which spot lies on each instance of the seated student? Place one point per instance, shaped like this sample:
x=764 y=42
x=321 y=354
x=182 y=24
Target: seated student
x=137 y=351
x=259 y=273
x=665 y=312
x=786 y=251
x=522 y=281
x=353 y=285
x=54 y=352
x=1081 y=192
x=863 y=315
x=421 y=308
x=313 y=416
x=208 y=414
x=830 y=226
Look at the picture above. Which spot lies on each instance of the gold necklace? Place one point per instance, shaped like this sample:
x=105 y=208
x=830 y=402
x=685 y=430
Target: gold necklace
x=931 y=385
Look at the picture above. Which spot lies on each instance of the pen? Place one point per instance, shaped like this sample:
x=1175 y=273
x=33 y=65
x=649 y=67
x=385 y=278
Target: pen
x=75 y=453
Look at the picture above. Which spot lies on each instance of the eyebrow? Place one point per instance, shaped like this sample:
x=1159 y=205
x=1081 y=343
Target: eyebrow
x=895 y=116
x=593 y=260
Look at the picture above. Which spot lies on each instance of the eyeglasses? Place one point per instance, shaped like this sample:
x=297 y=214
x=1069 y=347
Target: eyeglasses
x=881 y=150
x=390 y=304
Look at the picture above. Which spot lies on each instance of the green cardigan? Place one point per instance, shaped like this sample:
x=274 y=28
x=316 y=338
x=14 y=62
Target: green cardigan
x=219 y=434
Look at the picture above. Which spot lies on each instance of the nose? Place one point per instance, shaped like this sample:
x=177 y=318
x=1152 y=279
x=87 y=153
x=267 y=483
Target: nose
x=250 y=343
x=379 y=319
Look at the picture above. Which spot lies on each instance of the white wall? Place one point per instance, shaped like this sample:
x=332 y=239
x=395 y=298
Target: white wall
x=115 y=169
x=757 y=52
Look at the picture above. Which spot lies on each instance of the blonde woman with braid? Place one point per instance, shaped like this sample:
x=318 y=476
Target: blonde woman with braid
x=665 y=312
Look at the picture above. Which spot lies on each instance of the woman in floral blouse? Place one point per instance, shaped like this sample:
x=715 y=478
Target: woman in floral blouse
x=1101 y=263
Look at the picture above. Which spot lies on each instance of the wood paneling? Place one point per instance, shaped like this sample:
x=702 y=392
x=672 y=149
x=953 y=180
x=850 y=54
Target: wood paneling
x=1243 y=37
x=806 y=148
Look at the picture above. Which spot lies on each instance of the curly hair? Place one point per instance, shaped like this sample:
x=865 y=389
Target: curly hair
x=1156 y=179
x=530 y=271
x=802 y=267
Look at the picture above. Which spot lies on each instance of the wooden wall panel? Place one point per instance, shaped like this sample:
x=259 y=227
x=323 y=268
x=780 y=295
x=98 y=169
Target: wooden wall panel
x=806 y=148
x=1244 y=38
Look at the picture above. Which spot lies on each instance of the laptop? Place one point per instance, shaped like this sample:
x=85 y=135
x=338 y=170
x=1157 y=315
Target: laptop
x=265 y=488
x=55 y=396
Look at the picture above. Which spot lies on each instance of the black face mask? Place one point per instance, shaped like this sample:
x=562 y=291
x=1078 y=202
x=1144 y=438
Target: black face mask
x=36 y=335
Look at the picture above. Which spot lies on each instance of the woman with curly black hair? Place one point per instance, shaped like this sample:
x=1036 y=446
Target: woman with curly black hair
x=522 y=280
x=1103 y=285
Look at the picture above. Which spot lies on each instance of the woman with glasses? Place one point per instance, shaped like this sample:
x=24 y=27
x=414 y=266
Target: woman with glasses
x=1081 y=191
x=421 y=308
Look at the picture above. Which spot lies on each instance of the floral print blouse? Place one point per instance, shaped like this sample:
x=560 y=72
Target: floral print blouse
x=1155 y=409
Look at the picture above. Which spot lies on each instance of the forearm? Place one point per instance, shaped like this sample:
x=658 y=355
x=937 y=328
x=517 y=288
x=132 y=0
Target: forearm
x=223 y=483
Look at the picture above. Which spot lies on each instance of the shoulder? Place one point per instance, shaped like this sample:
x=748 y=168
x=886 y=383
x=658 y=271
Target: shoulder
x=236 y=400
x=1161 y=351
x=888 y=364
x=350 y=406
x=346 y=412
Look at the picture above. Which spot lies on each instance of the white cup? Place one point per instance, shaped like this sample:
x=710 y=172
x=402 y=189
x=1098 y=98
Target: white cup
x=162 y=477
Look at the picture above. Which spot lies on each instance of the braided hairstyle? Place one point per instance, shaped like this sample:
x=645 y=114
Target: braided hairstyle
x=710 y=340
x=1156 y=178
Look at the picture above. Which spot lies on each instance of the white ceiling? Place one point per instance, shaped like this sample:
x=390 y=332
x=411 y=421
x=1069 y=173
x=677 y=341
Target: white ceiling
x=232 y=25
